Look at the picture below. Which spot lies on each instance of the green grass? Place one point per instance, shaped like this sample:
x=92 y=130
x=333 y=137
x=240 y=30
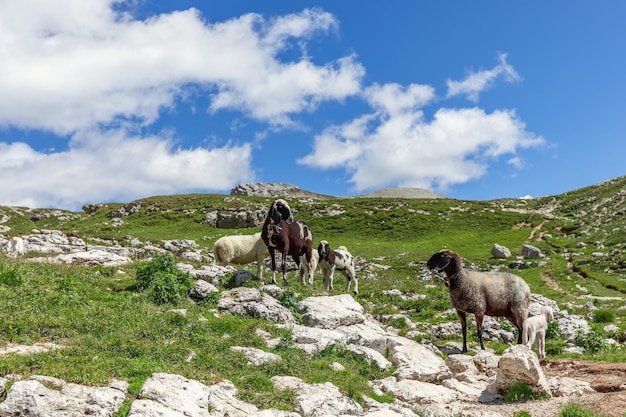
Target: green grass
x=578 y=410
x=112 y=326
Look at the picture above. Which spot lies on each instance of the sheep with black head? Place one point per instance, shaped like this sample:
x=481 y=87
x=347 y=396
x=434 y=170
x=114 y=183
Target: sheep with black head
x=282 y=233
x=482 y=293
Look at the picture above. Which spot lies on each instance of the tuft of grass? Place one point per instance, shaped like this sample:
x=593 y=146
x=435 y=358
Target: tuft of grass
x=603 y=316
x=578 y=410
x=522 y=391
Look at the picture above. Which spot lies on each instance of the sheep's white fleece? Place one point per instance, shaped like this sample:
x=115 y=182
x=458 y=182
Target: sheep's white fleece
x=241 y=250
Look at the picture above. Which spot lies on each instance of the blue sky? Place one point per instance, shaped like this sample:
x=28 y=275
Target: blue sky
x=104 y=100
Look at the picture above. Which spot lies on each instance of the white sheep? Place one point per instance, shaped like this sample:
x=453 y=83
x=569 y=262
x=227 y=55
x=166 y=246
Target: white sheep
x=535 y=328
x=339 y=259
x=241 y=250
x=482 y=293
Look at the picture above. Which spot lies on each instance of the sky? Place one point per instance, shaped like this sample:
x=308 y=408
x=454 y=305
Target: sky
x=116 y=100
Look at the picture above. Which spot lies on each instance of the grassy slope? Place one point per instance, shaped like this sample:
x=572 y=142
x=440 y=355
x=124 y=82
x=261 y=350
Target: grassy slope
x=109 y=331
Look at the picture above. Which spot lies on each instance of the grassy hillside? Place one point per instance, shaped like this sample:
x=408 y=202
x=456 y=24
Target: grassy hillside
x=110 y=330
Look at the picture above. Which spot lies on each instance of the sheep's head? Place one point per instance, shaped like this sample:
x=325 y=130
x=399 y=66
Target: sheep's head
x=323 y=249
x=446 y=261
x=280 y=210
x=549 y=314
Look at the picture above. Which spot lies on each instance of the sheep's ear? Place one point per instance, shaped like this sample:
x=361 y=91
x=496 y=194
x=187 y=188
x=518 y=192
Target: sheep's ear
x=286 y=214
x=274 y=214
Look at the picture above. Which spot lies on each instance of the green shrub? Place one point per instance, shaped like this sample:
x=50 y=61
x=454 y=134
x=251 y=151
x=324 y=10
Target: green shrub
x=591 y=341
x=522 y=414
x=163 y=282
x=553 y=331
x=521 y=391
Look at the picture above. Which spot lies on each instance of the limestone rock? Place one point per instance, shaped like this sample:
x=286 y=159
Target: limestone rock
x=519 y=364
x=330 y=312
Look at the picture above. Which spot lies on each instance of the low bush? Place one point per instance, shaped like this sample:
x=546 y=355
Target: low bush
x=162 y=281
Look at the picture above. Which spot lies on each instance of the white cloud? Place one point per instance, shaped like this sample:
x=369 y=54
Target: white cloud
x=477 y=82
x=398 y=146
x=70 y=64
x=118 y=167
x=78 y=67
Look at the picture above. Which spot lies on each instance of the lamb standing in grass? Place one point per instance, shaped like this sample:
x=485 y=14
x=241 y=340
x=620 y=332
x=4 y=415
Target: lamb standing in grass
x=535 y=327
x=241 y=250
x=339 y=259
x=482 y=293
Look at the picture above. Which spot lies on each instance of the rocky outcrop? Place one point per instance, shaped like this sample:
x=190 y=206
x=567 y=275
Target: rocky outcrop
x=422 y=381
x=272 y=189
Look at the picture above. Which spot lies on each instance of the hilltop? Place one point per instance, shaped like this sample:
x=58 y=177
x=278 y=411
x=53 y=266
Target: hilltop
x=277 y=189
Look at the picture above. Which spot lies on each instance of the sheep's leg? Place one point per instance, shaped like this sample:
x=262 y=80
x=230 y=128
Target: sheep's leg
x=479 y=329
x=325 y=273
x=463 y=318
x=308 y=258
x=349 y=279
x=541 y=342
x=271 y=251
x=285 y=283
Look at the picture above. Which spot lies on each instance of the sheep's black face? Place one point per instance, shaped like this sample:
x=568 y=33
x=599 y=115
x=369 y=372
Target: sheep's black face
x=280 y=210
x=439 y=261
x=322 y=249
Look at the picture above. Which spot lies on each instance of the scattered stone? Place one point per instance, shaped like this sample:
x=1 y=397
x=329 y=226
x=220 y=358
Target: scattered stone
x=500 y=252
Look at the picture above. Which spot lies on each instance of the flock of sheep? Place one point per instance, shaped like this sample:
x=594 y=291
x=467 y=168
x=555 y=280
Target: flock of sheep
x=480 y=293
x=280 y=232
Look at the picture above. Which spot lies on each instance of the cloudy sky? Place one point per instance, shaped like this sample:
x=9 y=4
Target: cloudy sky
x=114 y=100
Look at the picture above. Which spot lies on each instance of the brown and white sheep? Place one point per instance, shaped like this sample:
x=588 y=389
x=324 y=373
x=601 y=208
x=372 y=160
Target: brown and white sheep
x=535 y=328
x=282 y=233
x=241 y=250
x=482 y=293
x=337 y=260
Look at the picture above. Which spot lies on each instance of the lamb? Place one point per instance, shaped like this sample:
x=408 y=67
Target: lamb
x=241 y=250
x=535 y=327
x=482 y=293
x=339 y=259
x=290 y=237
x=304 y=266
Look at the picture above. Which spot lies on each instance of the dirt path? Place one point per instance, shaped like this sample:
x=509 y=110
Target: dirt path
x=606 y=378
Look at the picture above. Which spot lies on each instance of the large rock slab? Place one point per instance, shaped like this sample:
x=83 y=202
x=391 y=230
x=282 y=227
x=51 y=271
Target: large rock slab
x=415 y=361
x=171 y=395
x=330 y=312
x=41 y=396
x=318 y=399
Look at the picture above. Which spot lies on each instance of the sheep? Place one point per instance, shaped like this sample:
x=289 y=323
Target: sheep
x=241 y=250
x=482 y=293
x=535 y=327
x=339 y=259
x=290 y=237
x=304 y=267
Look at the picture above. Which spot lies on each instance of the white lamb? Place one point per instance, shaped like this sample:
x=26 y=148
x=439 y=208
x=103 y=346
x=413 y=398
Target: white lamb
x=241 y=250
x=535 y=327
